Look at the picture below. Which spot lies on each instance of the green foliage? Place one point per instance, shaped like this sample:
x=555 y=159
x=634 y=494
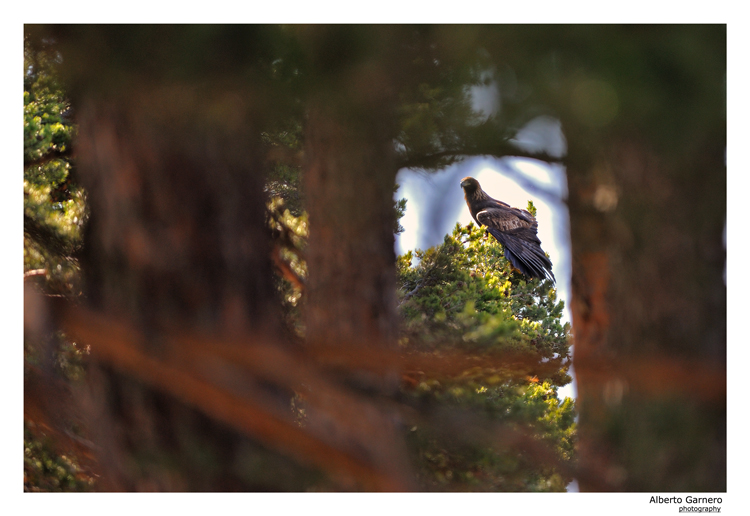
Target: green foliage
x=284 y=183
x=290 y=235
x=427 y=111
x=284 y=179
x=400 y=207
x=471 y=462
x=54 y=214
x=466 y=290
x=463 y=295
x=71 y=359
x=54 y=206
x=437 y=122
x=47 y=470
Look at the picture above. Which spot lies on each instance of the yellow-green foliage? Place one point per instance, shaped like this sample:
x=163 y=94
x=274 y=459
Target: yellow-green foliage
x=465 y=290
x=295 y=230
x=290 y=235
x=45 y=469
x=54 y=214
x=54 y=206
x=464 y=296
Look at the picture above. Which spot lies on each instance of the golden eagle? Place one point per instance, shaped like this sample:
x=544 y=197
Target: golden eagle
x=512 y=227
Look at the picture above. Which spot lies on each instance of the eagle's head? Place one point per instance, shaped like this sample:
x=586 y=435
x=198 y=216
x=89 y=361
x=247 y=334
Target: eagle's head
x=470 y=185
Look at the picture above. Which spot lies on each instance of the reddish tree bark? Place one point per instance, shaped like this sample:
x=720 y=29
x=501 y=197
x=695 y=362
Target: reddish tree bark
x=350 y=255
x=650 y=298
x=168 y=245
x=178 y=243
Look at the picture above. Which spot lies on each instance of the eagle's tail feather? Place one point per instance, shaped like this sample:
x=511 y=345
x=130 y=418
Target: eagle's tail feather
x=526 y=256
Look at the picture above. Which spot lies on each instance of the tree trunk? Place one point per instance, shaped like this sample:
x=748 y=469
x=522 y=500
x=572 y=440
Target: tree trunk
x=177 y=264
x=349 y=182
x=649 y=315
x=176 y=240
x=176 y=244
x=351 y=285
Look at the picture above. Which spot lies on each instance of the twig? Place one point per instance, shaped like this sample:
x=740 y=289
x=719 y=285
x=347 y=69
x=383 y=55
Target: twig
x=286 y=270
x=34 y=272
x=499 y=151
x=413 y=291
x=50 y=156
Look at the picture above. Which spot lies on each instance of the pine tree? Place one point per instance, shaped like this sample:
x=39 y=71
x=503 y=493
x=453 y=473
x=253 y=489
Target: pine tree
x=463 y=297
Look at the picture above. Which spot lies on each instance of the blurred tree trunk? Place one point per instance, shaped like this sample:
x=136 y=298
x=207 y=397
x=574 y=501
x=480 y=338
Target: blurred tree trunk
x=349 y=177
x=169 y=154
x=350 y=288
x=649 y=312
x=350 y=254
x=177 y=244
x=176 y=238
x=643 y=111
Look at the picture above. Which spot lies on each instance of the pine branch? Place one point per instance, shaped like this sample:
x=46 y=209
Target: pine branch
x=503 y=150
x=34 y=272
x=425 y=279
x=285 y=269
x=47 y=237
x=413 y=291
x=50 y=156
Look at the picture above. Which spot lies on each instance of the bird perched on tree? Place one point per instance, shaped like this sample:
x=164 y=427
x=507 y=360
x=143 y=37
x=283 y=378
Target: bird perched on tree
x=512 y=227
